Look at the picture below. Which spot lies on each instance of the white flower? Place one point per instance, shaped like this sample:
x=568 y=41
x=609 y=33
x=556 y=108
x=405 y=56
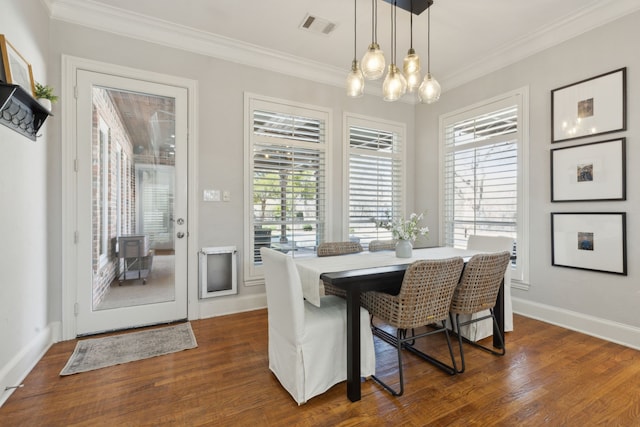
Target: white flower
x=406 y=229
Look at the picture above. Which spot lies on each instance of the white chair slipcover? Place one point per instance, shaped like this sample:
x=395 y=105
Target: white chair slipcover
x=308 y=344
x=479 y=330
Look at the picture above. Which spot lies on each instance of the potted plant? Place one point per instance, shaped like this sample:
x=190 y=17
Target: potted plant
x=45 y=95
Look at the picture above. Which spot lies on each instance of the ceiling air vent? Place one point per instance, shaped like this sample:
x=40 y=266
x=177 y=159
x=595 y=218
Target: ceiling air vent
x=317 y=25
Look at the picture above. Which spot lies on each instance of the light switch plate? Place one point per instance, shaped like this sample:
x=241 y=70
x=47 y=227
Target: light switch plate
x=226 y=195
x=211 y=195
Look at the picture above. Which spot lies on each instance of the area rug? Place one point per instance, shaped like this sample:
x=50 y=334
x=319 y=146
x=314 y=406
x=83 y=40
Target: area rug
x=96 y=353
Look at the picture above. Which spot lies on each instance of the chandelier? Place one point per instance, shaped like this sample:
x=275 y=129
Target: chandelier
x=397 y=81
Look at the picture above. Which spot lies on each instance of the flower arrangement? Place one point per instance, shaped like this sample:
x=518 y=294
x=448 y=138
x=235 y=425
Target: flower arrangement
x=405 y=229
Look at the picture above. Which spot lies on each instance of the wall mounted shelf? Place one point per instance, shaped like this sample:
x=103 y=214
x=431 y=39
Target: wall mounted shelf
x=20 y=111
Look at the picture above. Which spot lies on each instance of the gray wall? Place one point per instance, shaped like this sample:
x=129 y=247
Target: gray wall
x=25 y=301
x=590 y=301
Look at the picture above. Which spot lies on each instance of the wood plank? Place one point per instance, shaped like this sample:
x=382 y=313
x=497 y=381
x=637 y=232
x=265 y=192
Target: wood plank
x=549 y=376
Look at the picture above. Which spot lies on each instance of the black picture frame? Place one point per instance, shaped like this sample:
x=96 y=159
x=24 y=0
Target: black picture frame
x=594 y=106
x=595 y=241
x=589 y=172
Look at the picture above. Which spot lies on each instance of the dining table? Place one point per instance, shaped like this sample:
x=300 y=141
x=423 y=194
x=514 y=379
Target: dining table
x=372 y=271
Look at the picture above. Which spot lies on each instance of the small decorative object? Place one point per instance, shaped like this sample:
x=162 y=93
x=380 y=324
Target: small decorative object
x=404 y=249
x=589 y=172
x=591 y=107
x=14 y=68
x=406 y=232
x=45 y=95
x=590 y=241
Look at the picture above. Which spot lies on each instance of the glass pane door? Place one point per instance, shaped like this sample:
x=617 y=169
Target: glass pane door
x=132 y=271
x=133 y=196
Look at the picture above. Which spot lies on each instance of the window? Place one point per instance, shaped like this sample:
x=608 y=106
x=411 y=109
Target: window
x=287 y=190
x=483 y=176
x=376 y=180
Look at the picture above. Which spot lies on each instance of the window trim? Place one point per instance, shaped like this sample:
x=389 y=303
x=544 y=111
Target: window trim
x=351 y=119
x=520 y=275
x=253 y=274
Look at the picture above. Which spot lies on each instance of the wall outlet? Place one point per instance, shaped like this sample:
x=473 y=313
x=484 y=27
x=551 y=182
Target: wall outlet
x=226 y=195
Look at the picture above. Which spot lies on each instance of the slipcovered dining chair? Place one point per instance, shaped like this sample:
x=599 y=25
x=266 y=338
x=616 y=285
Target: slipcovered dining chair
x=424 y=299
x=332 y=249
x=479 y=330
x=382 y=245
x=308 y=344
x=477 y=292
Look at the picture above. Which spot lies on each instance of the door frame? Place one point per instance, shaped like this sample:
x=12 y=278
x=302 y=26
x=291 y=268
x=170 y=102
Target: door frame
x=70 y=66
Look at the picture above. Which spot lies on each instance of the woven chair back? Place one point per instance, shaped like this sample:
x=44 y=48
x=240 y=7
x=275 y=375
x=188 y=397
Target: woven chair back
x=480 y=283
x=424 y=297
x=338 y=248
x=382 y=245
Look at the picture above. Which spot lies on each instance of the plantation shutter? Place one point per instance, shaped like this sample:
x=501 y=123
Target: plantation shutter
x=481 y=175
x=288 y=182
x=375 y=181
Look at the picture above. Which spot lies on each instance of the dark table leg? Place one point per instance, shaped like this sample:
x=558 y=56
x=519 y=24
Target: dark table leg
x=353 y=344
x=498 y=311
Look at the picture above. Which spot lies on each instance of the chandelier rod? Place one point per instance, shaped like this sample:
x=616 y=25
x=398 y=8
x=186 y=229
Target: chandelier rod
x=429 y=40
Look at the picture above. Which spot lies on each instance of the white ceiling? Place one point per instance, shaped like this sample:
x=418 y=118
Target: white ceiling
x=469 y=38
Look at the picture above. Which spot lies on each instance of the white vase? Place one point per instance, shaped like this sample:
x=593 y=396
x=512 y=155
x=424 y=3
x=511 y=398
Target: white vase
x=404 y=249
x=46 y=103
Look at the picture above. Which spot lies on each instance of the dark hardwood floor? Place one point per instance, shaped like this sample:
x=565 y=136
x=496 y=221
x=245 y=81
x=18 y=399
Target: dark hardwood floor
x=549 y=376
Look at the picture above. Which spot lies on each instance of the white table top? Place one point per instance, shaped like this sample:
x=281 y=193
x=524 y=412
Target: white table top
x=310 y=268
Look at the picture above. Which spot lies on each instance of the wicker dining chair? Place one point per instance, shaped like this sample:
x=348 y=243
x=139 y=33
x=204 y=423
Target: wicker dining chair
x=424 y=300
x=382 y=245
x=479 y=330
x=477 y=291
x=338 y=248
x=332 y=249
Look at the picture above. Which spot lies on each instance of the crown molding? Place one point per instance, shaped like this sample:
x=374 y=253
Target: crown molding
x=128 y=24
x=153 y=30
x=594 y=15
x=47 y=5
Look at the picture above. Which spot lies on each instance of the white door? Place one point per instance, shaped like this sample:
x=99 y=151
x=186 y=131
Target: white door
x=131 y=191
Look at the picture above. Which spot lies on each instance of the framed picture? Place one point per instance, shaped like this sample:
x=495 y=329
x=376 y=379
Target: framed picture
x=591 y=107
x=589 y=172
x=15 y=69
x=590 y=241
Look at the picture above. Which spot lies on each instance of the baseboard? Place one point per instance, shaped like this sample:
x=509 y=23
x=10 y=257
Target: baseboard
x=26 y=359
x=221 y=306
x=618 y=333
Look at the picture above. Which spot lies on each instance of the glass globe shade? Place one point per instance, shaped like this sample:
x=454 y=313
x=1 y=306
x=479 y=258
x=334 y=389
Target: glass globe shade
x=355 y=81
x=394 y=85
x=411 y=63
x=373 y=62
x=429 y=91
x=411 y=69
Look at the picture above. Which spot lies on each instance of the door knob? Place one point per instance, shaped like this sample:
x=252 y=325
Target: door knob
x=180 y=234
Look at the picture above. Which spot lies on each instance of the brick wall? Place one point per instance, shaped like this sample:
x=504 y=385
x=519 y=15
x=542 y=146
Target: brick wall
x=119 y=153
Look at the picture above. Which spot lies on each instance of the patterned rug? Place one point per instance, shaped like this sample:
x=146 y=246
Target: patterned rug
x=96 y=353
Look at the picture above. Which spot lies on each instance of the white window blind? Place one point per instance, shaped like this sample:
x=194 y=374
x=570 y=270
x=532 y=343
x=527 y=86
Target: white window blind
x=288 y=181
x=376 y=181
x=481 y=175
